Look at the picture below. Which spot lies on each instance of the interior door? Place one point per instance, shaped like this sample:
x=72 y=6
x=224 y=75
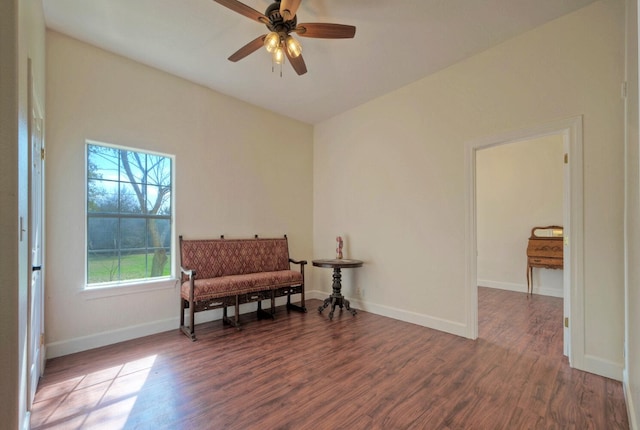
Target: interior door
x=35 y=329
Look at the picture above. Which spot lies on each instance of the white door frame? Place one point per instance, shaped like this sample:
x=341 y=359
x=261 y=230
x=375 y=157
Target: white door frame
x=571 y=131
x=35 y=312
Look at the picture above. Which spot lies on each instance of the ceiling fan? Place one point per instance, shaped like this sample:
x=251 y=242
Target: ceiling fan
x=281 y=20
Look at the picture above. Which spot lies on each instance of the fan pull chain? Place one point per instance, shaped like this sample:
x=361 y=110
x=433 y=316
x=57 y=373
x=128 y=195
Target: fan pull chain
x=273 y=67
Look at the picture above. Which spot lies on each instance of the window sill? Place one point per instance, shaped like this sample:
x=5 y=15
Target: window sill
x=91 y=293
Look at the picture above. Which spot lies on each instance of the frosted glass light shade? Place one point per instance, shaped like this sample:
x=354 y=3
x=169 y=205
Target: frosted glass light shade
x=278 y=55
x=272 y=41
x=293 y=47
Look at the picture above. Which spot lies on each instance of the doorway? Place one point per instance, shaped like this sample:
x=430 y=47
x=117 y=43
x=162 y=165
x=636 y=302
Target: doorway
x=570 y=131
x=518 y=186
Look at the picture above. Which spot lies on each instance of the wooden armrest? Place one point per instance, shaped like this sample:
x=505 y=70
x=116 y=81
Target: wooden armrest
x=301 y=262
x=188 y=272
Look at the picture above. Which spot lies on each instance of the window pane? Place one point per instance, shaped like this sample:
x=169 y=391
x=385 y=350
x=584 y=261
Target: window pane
x=129 y=202
x=159 y=200
x=102 y=162
x=103 y=261
x=132 y=166
x=103 y=267
x=160 y=243
x=129 y=214
x=133 y=234
x=102 y=234
x=160 y=233
x=134 y=265
x=95 y=191
x=159 y=170
x=102 y=196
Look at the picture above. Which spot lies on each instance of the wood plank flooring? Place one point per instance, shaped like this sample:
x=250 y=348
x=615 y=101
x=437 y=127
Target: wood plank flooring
x=303 y=371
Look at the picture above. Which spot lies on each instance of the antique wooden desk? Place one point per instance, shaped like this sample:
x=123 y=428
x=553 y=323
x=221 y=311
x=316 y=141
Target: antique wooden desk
x=336 y=298
x=545 y=250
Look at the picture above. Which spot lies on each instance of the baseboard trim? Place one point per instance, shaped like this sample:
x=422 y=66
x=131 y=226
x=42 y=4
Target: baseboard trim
x=447 y=326
x=603 y=367
x=628 y=397
x=84 y=343
x=26 y=420
x=521 y=288
x=58 y=349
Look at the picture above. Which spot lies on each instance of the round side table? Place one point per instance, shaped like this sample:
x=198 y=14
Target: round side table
x=336 y=298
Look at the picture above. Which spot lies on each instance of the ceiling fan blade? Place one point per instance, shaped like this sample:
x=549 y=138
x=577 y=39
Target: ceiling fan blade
x=297 y=63
x=247 y=49
x=325 y=30
x=243 y=9
x=288 y=8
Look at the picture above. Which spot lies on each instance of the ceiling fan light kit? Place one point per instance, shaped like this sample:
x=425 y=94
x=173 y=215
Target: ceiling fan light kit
x=281 y=20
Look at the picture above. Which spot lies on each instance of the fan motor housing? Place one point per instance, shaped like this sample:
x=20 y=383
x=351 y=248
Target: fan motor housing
x=276 y=22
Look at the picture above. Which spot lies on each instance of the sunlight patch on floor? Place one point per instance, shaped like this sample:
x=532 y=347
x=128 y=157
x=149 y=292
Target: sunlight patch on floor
x=100 y=399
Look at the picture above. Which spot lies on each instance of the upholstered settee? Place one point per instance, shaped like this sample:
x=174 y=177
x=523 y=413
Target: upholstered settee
x=218 y=273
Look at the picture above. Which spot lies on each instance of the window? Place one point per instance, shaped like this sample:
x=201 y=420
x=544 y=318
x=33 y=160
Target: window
x=129 y=215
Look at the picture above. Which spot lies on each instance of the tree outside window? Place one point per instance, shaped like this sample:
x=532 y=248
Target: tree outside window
x=129 y=214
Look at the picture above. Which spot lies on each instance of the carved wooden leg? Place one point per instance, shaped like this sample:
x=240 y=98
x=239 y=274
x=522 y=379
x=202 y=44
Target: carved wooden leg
x=348 y=306
x=235 y=321
x=326 y=303
x=334 y=302
x=262 y=314
x=236 y=317
x=189 y=331
x=273 y=303
x=192 y=320
x=182 y=312
x=302 y=305
x=295 y=307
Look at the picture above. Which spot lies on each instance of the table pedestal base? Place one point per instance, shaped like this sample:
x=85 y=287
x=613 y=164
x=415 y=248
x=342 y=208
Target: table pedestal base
x=336 y=298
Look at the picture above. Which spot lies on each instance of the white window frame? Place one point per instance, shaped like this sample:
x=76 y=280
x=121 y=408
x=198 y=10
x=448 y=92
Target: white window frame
x=107 y=289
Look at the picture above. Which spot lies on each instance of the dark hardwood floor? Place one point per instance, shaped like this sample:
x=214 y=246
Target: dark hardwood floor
x=303 y=371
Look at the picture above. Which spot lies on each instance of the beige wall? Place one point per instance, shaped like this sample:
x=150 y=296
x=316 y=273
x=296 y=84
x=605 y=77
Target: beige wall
x=390 y=173
x=12 y=356
x=518 y=186
x=239 y=171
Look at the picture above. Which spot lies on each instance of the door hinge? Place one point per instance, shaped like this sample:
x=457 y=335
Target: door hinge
x=566 y=322
x=22 y=229
x=42 y=154
x=623 y=91
x=566 y=158
x=41 y=339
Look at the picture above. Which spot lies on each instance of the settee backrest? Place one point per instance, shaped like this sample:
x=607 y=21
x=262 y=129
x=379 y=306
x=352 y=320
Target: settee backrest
x=211 y=258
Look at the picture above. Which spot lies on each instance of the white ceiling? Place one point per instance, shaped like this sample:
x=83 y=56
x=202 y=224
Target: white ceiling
x=396 y=43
